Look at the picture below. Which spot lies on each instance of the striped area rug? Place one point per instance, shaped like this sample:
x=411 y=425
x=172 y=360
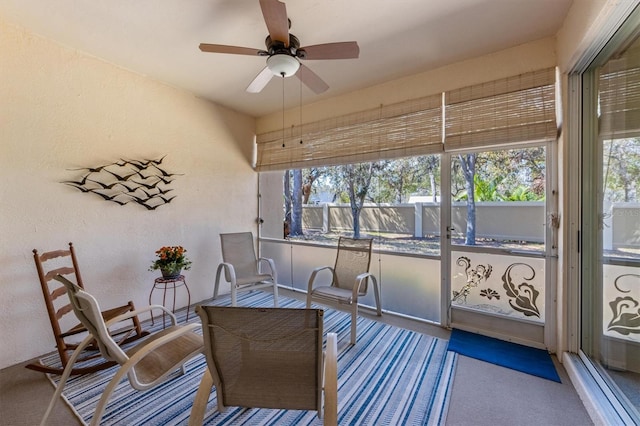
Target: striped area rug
x=391 y=376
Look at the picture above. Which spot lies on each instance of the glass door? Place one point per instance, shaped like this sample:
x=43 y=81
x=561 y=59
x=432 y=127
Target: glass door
x=610 y=318
x=501 y=238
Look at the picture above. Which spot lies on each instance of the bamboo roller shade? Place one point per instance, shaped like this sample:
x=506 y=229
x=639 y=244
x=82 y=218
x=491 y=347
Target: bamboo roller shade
x=515 y=109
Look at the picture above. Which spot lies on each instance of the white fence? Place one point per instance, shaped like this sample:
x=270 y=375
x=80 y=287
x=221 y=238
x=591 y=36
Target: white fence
x=507 y=221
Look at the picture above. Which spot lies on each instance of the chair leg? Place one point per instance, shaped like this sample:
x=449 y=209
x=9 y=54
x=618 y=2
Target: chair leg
x=274 y=274
x=136 y=321
x=196 y=418
x=354 y=321
x=61 y=345
x=234 y=295
x=308 y=300
x=275 y=294
x=330 y=409
x=65 y=376
x=104 y=399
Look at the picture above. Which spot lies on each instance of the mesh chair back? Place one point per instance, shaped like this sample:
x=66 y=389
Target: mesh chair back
x=238 y=250
x=88 y=312
x=265 y=357
x=353 y=259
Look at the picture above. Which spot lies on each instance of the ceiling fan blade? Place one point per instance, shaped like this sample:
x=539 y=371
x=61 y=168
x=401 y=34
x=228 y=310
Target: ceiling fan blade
x=311 y=80
x=260 y=81
x=275 y=16
x=221 y=48
x=341 y=50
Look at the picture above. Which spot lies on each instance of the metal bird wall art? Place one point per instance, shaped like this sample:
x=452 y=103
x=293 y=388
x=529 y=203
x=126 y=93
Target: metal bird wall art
x=144 y=182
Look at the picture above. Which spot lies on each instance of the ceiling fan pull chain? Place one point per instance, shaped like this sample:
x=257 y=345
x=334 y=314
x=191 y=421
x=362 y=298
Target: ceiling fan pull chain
x=300 y=85
x=283 y=110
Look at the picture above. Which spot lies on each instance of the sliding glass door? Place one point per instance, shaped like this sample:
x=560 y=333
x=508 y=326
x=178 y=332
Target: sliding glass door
x=610 y=318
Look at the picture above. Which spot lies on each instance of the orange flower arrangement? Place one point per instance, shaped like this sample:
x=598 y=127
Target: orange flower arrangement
x=171 y=259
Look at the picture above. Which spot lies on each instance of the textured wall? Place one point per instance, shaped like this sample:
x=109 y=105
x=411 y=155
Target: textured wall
x=61 y=109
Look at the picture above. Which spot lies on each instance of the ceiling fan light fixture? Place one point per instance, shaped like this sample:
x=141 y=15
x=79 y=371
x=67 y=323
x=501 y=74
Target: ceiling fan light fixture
x=283 y=65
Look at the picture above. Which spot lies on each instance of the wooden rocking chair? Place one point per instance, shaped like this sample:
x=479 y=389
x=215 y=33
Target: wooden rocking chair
x=58 y=305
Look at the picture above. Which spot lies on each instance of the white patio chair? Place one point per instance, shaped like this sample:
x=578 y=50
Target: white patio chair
x=242 y=269
x=349 y=279
x=146 y=364
x=267 y=358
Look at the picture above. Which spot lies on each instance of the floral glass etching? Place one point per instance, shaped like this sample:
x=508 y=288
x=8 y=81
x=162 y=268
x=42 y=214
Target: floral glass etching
x=505 y=285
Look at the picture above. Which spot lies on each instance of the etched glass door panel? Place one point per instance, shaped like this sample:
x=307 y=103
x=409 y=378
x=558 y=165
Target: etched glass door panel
x=509 y=286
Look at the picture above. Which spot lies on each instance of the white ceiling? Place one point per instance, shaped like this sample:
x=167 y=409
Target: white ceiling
x=160 y=38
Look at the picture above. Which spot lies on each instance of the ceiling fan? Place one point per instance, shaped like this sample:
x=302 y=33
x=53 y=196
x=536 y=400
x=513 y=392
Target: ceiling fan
x=284 y=52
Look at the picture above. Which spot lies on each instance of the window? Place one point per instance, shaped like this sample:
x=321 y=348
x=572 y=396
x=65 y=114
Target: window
x=395 y=201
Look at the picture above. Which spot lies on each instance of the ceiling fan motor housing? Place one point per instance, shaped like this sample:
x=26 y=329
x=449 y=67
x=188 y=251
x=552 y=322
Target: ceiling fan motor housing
x=278 y=47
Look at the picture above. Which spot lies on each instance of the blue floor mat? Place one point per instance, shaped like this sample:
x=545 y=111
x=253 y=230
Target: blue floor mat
x=517 y=357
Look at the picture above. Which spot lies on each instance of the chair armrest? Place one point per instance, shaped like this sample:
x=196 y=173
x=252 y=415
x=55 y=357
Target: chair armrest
x=359 y=280
x=131 y=314
x=229 y=270
x=272 y=267
x=330 y=380
x=269 y=262
x=313 y=276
